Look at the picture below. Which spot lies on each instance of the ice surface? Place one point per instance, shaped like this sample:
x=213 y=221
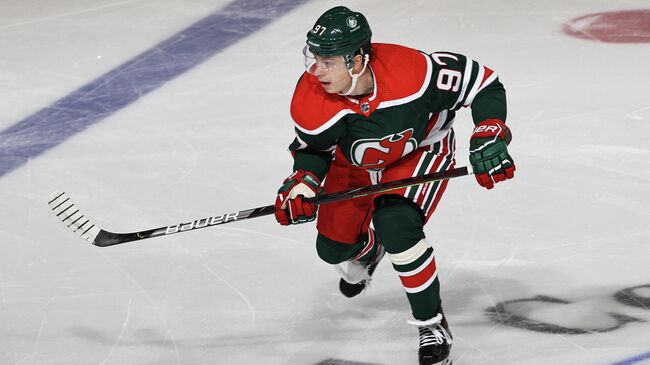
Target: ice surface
x=548 y=251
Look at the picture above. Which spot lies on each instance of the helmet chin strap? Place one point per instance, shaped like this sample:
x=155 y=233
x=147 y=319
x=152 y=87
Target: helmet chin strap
x=355 y=77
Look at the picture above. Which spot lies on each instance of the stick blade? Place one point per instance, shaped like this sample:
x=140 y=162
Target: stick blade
x=68 y=212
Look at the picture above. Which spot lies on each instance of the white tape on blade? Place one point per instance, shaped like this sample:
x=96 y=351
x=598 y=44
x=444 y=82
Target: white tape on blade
x=70 y=215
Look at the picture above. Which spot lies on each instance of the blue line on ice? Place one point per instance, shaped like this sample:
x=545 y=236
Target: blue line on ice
x=634 y=360
x=118 y=88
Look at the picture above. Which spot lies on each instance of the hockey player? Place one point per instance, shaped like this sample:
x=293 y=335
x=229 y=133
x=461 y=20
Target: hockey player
x=369 y=112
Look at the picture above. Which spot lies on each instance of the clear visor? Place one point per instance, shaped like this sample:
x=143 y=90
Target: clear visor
x=322 y=63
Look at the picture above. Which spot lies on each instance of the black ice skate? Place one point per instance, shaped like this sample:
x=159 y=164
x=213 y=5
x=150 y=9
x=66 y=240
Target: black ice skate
x=435 y=341
x=356 y=277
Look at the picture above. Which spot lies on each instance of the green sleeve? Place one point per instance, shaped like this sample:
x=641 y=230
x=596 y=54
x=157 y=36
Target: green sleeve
x=454 y=79
x=312 y=160
x=490 y=103
x=314 y=152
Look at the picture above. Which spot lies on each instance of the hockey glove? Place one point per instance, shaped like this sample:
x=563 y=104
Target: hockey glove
x=290 y=205
x=488 y=153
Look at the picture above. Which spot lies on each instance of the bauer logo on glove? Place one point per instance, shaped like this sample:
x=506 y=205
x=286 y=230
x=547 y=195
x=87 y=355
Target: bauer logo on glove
x=488 y=153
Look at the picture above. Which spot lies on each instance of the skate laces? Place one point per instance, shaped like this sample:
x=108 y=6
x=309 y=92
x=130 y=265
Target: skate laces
x=431 y=331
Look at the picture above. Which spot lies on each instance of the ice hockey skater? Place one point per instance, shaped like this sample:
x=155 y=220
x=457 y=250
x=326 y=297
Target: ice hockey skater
x=371 y=112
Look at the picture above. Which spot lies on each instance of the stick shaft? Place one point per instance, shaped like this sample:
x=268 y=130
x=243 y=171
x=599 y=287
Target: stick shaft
x=61 y=204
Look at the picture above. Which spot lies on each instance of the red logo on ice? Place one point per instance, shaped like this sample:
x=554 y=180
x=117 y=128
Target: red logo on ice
x=624 y=26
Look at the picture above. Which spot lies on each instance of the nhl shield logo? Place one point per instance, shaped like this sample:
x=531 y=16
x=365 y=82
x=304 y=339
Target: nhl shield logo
x=365 y=107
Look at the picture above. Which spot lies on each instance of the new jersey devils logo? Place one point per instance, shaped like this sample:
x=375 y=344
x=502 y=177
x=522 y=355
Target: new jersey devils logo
x=378 y=153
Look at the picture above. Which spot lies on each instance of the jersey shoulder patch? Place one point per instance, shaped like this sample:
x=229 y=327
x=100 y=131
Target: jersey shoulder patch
x=313 y=110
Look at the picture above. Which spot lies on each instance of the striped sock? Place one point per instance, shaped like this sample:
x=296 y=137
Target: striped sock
x=416 y=268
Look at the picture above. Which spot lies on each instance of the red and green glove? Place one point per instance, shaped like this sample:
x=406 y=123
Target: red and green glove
x=291 y=206
x=488 y=153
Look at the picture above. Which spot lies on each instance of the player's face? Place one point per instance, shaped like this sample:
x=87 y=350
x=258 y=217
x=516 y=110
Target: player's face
x=332 y=74
x=330 y=70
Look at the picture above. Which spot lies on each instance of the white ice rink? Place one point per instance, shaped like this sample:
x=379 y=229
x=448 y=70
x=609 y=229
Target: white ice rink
x=560 y=240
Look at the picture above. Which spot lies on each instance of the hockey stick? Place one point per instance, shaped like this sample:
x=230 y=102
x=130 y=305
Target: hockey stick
x=70 y=215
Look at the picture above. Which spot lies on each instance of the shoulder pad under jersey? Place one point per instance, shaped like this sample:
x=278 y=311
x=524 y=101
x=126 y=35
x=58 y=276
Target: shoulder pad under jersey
x=403 y=74
x=314 y=110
